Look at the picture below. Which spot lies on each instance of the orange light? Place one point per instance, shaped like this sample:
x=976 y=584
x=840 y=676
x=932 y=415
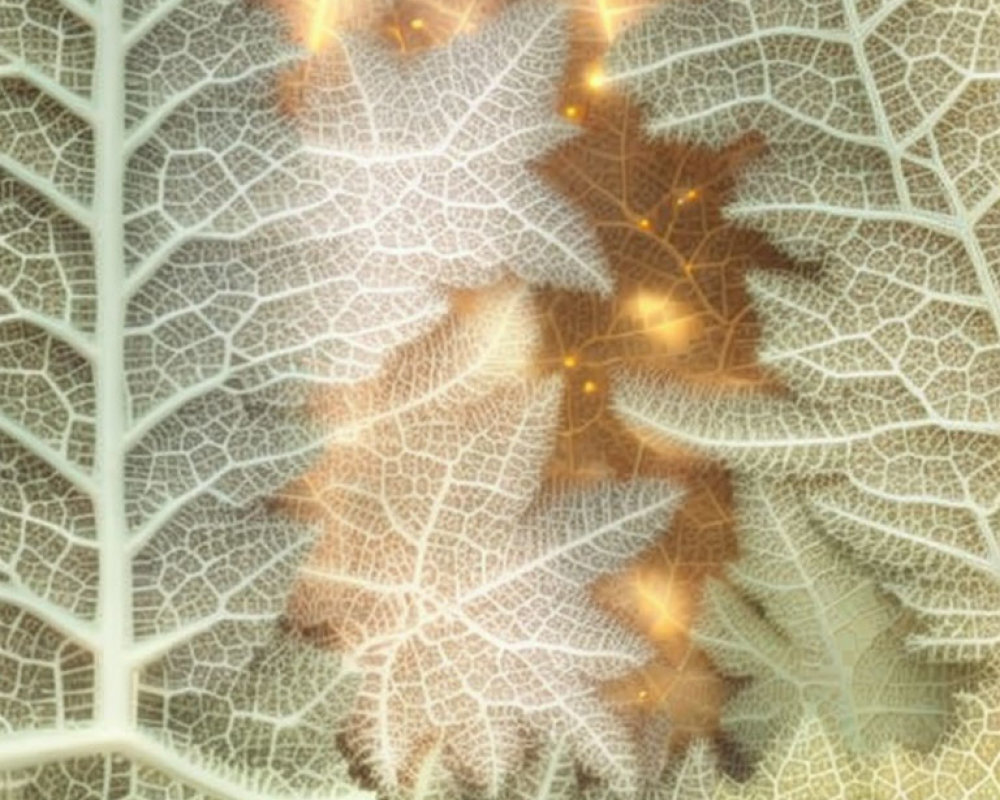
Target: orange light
x=589 y=387
x=662 y=319
x=688 y=197
x=570 y=361
x=572 y=112
x=595 y=78
x=320 y=22
x=417 y=24
x=663 y=609
x=645 y=223
x=605 y=14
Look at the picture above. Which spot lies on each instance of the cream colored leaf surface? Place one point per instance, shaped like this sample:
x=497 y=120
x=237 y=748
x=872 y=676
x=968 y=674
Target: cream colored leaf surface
x=966 y=765
x=880 y=177
x=179 y=271
x=809 y=761
x=806 y=762
x=426 y=156
x=810 y=634
x=473 y=632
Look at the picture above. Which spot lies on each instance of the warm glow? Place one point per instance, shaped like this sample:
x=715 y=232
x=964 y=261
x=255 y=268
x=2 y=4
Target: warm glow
x=613 y=16
x=321 y=16
x=688 y=197
x=570 y=361
x=572 y=112
x=662 y=607
x=589 y=387
x=607 y=23
x=417 y=24
x=663 y=319
x=645 y=223
x=595 y=78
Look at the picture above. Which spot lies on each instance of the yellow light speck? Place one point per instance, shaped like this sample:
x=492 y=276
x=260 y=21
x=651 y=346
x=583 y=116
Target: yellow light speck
x=572 y=112
x=595 y=78
x=645 y=223
x=570 y=361
x=589 y=387
x=417 y=24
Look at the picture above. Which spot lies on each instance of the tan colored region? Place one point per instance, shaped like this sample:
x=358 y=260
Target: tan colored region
x=680 y=307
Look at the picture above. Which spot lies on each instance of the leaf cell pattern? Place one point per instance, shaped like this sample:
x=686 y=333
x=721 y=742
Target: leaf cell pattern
x=182 y=265
x=877 y=179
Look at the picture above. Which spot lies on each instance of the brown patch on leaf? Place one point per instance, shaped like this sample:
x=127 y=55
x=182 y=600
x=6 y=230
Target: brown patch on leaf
x=679 y=307
x=417 y=25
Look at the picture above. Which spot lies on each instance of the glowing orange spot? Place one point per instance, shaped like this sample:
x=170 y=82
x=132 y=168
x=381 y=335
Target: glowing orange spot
x=572 y=112
x=692 y=194
x=595 y=78
x=645 y=223
x=320 y=23
x=589 y=387
x=570 y=361
x=606 y=22
x=417 y=24
x=663 y=319
x=663 y=609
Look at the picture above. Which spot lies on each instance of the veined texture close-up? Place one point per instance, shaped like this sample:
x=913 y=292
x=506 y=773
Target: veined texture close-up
x=499 y=399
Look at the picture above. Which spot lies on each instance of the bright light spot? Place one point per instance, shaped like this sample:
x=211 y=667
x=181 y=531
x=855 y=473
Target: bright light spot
x=607 y=24
x=595 y=78
x=643 y=694
x=663 y=609
x=645 y=223
x=589 y=387
x=570 y=361
x=688 y=197
x=572 y=112
x=663 y=319
x=417 y=24
x=321 y=19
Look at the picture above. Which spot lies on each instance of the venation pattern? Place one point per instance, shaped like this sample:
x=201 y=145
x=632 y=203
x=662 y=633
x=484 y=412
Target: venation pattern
x=181 y=265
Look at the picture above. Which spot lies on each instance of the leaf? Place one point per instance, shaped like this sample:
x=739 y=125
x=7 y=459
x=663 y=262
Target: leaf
x=427 y=155
x=965 y=765
x=809 y=761
x=143 y=418
x=881 y=125
x=180 y=273
x=473 y=632
x=813 y=635
x=806 y=762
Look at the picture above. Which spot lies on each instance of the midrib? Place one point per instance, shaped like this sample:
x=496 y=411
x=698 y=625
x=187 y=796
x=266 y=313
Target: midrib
x=114 y=677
